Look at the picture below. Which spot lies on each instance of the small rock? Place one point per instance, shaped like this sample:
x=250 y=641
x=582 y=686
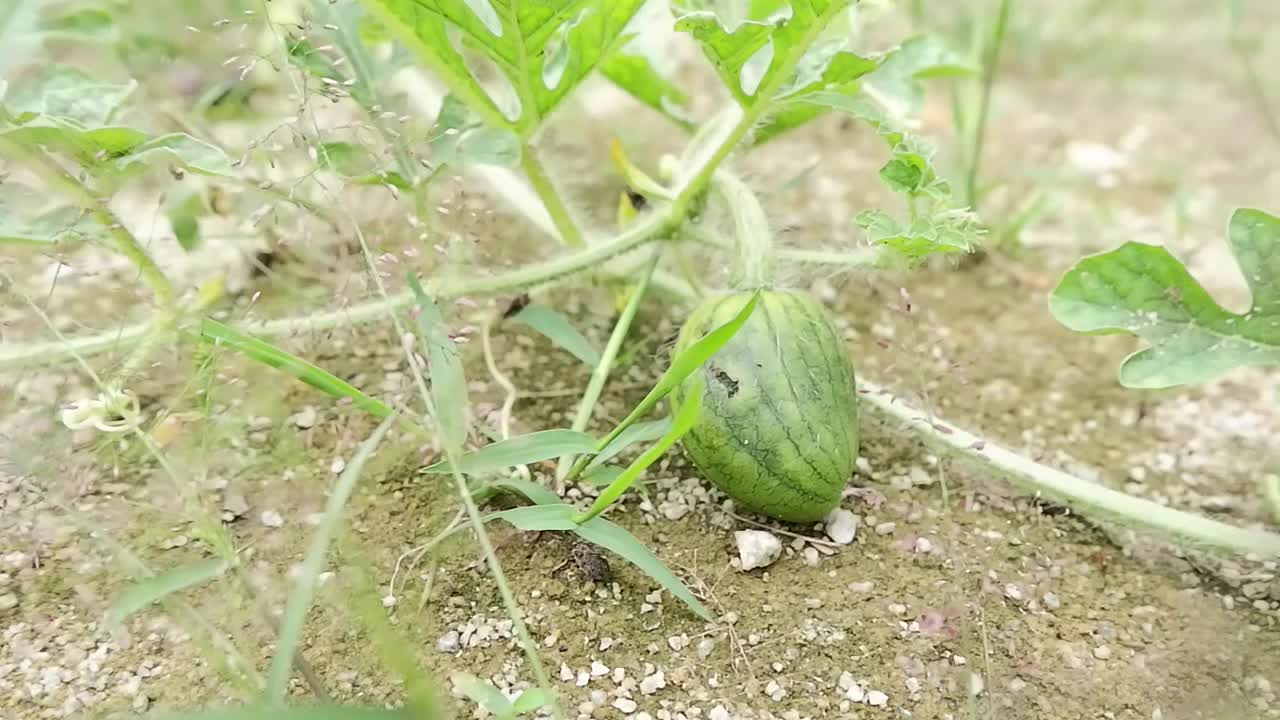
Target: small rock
x=306 y=418
x=811 y=556
x=1014 y=593
x=923 y=545
x=719 y=713
x=8 y=601
x=233 y=505
x=1254 y=590
x=566 y=673
x=1051 y=601
x=272 y=519
x=757 y=548
x=625 y=705
x=862 y=587
x=842 y=526
x=1102 y=652
x=705 y=647
x=337 y=466
x=448 y=642
x=877 y=699
x=141 y=702
x=886 y=528
x=653 y=683
x=1094 y=158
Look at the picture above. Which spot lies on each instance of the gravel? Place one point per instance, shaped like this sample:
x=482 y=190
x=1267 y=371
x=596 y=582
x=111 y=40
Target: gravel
x=842 y=526
x=757 y=548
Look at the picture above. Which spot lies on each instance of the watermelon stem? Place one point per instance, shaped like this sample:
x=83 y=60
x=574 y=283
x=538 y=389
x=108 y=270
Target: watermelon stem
x=1084 y=496
x=755 y=241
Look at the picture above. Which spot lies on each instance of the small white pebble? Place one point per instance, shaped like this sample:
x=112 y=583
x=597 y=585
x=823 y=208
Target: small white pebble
x=653 y=683
x=1051 y=601
x=886 y=528
x=306 y=417
x=842 y=526
x=862 y=587
x=625 y=705
x=598 y=668
x=1102 y=652
x=337 y=466
x=923 y=545
x=719 y=713
x=705 y=646
x=1013 y=592
x=877 y=699
x=566 y=673
x=448 y=642
x=811 y=556
x=272 y=519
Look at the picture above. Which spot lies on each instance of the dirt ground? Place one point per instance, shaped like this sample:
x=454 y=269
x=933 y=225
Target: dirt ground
x=959 y=598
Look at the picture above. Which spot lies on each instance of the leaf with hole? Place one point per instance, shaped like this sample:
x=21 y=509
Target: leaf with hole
x=268 y=354
x=519 y=450
x=557 y=328
x=634 y=73
x=543 y=50
x=763 y=56
x=155 y=589
x=896 y=86
x=1144 y=290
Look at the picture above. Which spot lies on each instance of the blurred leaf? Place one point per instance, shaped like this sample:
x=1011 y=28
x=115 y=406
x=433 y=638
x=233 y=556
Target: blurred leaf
x=482 y=693
x=751 y=55
x=290 y=712
x=685 y=417
x=530 y=518
x=616 y=539
x=356 y=164
x=519 y=450
x=156 y=588
x=530 y=700
x=184 y=211
x=448 y=381
x=300 y=595
x=188 y=152
x=18 y=38
x=896 y=84
x=636 y=75
x=84 y=23
x=273 y=356
x=458 y=138
x=87 y=147
x=1142 y=289
x=543 y=49
x=601 y=475
x=65 y=93
x=25 y=218
x=559 y=330
x=302 y=54
x=638 y=433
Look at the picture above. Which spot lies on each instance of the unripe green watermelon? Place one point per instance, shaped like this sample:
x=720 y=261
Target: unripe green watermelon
x=778 y=431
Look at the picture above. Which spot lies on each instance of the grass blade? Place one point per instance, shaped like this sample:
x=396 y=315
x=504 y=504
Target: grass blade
x=300 y=599
x=158 y=587
x=682 y=366
x=640 y=432
x=448 y=382
x=531 y=490
x=683 y=421
x=537 y=517
x=530 y=700
x=616 y=539
x=519 y=450
x=483 y=693
x=268 y=354
x=559 y=330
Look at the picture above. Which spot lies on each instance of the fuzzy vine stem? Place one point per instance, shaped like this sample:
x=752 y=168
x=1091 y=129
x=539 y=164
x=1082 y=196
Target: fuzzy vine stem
x=1092 y=498
x=550 y=197
x=601 y=373
x=755 y=242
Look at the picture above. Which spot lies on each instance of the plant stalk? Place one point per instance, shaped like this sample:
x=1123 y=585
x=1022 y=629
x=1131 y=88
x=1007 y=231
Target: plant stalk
x=1076 y=493
x=601 y=373
x=533 y=169
x=755 y=241
x=995 y=42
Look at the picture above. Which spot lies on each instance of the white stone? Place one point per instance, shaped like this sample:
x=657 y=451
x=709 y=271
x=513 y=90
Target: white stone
x=272 y=519
x=626 y=705
x=877 y=698
x=448 y=642
x=8 y=601
x=653 y=683
x=842 y=526
x=757 y=548
x=1095 y=158
x=719 y=713
x=306 y=417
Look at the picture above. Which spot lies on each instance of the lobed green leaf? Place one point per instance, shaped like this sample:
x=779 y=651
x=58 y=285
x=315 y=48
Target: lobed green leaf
x=1144 y=290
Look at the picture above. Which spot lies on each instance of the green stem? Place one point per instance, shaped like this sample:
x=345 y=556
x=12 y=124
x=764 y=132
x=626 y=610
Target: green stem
x=1076 y=493
x=994 y=44
x=546 y=190
x=601 y=373
x=755 y=241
